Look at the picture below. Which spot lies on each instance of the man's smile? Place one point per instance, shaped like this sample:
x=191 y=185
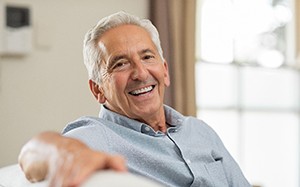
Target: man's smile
x=142 y=90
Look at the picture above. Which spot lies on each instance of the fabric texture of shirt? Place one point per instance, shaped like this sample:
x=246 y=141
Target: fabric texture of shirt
x=190 y=153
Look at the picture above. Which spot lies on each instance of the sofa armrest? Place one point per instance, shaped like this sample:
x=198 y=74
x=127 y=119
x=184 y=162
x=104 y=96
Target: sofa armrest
x=12 y=176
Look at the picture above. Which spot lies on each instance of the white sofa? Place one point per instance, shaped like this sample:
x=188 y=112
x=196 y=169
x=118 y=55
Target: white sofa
x=12 y=176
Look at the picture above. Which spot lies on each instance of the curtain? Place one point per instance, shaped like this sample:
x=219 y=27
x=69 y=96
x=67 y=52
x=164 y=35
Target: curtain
x=175 y=21
x=297 y=20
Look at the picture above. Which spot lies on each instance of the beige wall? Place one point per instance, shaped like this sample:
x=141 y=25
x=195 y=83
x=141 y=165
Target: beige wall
x=48 y=88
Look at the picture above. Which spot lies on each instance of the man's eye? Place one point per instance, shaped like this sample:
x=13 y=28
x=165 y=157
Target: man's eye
x=148 y=57
x=119 y=65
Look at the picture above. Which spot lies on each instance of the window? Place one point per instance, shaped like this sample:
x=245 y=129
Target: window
x=248 y=86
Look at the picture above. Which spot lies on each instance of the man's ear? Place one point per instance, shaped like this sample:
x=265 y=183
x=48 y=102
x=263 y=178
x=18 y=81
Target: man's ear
x=97 y=92
x=166 y=74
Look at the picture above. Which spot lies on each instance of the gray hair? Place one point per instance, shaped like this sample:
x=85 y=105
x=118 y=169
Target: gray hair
x=93 y=53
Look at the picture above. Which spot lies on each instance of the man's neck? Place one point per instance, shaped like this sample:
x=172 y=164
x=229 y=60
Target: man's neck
x=157 y=121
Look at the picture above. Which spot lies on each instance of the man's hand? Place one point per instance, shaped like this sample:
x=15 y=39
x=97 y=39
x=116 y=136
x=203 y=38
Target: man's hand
x=64 y=161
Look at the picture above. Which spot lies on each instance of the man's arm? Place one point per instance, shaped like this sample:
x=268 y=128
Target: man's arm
x=64 y=161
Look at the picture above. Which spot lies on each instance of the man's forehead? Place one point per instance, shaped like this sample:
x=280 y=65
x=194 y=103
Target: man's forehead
x=124 y=38
x=124 y=32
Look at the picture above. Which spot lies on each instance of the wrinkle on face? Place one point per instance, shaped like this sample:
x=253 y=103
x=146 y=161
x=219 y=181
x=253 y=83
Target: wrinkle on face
x=105 y=74
x=104 y=65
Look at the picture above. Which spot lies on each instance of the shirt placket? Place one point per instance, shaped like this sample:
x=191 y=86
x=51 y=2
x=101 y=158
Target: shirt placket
x=186 y=160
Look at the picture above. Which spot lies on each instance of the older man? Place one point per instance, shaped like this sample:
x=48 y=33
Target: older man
x=128 y=76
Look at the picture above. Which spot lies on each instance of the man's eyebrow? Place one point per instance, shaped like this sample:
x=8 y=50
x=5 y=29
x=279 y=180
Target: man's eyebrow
x=117 y=58
x=147 y=51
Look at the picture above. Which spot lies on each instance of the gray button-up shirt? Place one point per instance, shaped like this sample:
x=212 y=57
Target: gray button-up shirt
x=189 y=154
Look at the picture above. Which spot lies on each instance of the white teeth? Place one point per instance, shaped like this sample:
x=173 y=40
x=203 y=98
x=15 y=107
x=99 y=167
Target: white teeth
x=142 y=90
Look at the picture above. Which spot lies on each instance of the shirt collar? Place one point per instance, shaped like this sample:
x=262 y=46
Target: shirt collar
x=173 y=119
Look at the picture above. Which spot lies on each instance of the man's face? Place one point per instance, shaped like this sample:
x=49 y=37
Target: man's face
x=134 y=75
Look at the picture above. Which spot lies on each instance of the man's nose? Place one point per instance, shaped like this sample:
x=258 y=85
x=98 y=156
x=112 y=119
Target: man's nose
x=139 y=72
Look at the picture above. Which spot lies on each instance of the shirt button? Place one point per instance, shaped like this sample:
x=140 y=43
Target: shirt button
x=147 y=129
x=188 y=161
